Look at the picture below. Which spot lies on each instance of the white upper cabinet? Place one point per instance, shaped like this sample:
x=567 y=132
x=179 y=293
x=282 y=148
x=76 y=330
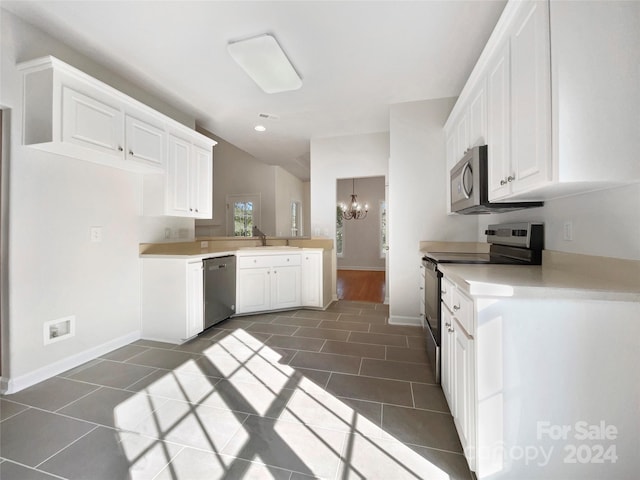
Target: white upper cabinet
x=187 y=189
x=530 y=98
x=91 y=123
x=499 y=122
x=178 y=176
x=202 y=182
x=478 y=115
x=561 y=110
x=70 y=113
x=145 y=143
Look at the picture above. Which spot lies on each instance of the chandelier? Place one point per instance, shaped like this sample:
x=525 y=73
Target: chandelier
x=354 y=210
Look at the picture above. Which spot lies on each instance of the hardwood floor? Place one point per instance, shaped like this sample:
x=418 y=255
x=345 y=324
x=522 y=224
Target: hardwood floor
x=361 y=286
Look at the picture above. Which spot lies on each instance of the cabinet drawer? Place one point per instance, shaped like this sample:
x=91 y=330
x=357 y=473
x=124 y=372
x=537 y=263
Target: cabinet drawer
x=446 y=291
x=462 y=308
x=285 y=260
x=259 y=261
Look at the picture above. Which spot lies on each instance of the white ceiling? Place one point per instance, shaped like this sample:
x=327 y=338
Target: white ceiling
x=355 y=57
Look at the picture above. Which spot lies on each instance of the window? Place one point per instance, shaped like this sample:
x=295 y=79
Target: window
x=295 y=219
x=339 y=231
x=383 y=228
x=243 y=212
x=242 y=219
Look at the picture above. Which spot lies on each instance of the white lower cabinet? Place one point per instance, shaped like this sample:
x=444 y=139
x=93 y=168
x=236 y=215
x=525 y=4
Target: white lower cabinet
x=312 y=279
x=458 y=365
x=172 y=299
x=268 y=282
x=446 y=358
x=464 y=390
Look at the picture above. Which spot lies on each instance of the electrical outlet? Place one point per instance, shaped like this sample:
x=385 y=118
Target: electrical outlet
x=567 y=233
x=95 y=234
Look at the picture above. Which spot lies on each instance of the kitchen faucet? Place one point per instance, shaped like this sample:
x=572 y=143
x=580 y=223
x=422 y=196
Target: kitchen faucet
x=256 y=232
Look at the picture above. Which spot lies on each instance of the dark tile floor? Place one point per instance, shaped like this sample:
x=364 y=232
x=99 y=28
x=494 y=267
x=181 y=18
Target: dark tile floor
x=337 y=394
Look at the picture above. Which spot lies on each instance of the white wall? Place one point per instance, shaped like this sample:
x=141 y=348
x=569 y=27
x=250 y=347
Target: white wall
x=341 y=157
x=605 y=223
x=287 y=189
x=417 y=199
x=54 y=270
x=361 y=238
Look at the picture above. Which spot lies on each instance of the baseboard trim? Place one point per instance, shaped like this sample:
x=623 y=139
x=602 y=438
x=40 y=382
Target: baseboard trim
x=13 y=385
x=400 y=320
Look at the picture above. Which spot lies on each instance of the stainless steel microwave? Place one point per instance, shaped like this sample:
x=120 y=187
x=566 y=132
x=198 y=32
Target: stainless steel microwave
x=470 y=186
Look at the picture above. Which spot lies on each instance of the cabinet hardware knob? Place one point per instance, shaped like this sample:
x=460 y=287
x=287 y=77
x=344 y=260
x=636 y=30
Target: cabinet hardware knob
x=120 y=148
x=503 y=182
x=196 y=210
x=447 y=324
x=275 y=271
x=456 y=308
x=443 y=291
x=421 y=288
x=131 y=152
x=510 y=178
x=450 y=330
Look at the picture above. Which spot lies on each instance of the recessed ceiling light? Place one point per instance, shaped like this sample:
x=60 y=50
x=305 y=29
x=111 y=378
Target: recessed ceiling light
x=259 y=128
x=264 y=61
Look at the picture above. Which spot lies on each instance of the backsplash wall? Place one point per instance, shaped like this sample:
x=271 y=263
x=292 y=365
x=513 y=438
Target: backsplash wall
x=605 y=222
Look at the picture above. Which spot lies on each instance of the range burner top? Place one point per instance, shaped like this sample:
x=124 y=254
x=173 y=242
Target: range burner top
x=510 y=244
x=478 y=258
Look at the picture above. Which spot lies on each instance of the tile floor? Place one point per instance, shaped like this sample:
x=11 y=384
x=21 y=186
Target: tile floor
x=303 y=394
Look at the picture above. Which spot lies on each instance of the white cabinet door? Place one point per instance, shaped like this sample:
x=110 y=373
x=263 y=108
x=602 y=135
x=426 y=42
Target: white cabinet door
x=285 y=287
x=145 y=142
x=178 y=177
x=478 y=115
x=195 y=299
x=464 y=389
x=312 y=279
x=462 y=135
x=446 y=360
x=91 y=123
x=189 y=179
x=253 y=293
x=498 y=123
x=202 y=182
x=531 y=98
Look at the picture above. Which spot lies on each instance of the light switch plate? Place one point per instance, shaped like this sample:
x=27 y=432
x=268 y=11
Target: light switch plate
x=568 y=231
x=95 y=234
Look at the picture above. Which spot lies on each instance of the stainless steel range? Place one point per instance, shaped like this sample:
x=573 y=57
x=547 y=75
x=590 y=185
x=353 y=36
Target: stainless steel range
x=510 y=243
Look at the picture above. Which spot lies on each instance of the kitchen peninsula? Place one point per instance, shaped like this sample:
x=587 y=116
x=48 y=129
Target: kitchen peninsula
x=285 y=273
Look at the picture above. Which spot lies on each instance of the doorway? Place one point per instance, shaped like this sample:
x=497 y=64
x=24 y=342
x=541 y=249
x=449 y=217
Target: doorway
x=361 y=247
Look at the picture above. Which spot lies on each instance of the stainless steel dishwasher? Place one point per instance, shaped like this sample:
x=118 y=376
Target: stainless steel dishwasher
x=219 y=289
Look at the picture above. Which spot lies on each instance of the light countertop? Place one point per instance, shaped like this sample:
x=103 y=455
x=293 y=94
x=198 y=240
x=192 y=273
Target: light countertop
x=238 y=251
x=561 y=276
